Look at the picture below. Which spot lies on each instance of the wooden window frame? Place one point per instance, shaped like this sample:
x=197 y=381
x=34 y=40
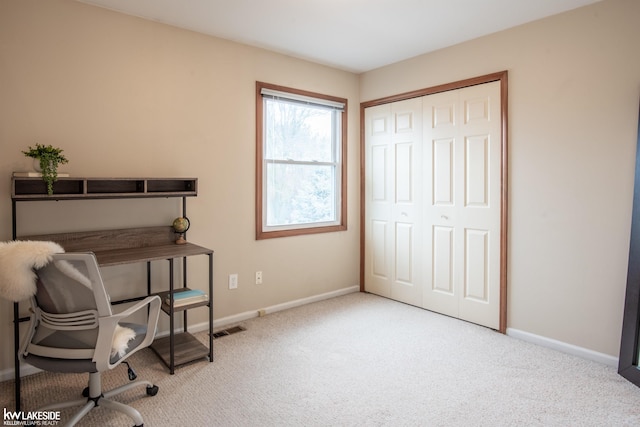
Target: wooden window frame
x=342 y=204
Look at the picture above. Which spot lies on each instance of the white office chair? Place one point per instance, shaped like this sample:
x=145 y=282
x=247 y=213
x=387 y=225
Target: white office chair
x=73 y=330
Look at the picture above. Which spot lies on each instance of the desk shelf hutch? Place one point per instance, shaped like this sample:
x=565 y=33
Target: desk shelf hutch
x=125 y=246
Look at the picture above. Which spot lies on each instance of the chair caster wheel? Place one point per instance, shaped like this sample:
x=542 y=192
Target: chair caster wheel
x=85 y=392
x=152 y=390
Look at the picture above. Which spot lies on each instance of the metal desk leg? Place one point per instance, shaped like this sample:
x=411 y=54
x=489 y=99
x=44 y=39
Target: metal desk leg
x=16 y=345
x=148 y=278
x=185 y=283
x=171 y=323
x=210 y=307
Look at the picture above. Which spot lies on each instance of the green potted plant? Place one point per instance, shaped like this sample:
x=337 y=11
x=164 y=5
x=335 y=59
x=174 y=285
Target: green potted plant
x=49 y=158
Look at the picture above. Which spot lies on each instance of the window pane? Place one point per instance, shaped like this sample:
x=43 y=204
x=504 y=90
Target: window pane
x=298 y=132
x=300 y=194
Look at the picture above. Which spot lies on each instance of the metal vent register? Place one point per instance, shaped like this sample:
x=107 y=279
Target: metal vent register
x=229 y=331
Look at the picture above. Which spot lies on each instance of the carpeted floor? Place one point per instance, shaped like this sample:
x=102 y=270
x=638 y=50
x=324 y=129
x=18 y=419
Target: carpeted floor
x=362 y=360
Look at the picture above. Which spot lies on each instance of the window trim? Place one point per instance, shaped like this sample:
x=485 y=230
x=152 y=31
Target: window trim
x=342 y=204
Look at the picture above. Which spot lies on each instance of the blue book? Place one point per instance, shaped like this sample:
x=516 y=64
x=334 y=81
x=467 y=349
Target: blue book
x=187 y=294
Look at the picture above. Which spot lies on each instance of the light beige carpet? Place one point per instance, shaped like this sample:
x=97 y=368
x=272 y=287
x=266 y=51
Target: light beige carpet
x=362 y=360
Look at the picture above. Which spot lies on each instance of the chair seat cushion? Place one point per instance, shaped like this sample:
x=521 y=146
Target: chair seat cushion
x=53 y=364
x=61 y=365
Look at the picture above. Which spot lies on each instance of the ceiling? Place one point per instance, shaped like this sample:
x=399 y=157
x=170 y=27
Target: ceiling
x=353 y=35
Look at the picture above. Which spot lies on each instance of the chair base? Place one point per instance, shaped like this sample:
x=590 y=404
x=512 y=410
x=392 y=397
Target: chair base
x=97 y=398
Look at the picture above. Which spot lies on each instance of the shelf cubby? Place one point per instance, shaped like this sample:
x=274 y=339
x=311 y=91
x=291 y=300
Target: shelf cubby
x=171 y=185
x=115 y=186
x=186 y=349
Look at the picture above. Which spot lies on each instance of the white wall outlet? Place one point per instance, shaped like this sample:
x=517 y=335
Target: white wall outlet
x=233 y=281
x=258 y=277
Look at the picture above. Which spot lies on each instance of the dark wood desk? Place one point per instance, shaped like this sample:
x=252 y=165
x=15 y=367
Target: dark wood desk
x=115 y=247
x=147 y=244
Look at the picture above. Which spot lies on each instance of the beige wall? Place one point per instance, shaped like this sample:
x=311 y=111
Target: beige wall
x=128 y=97
x=574 y=85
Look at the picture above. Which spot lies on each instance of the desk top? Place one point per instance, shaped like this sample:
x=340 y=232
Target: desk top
x=125 y=246
x=149 y=253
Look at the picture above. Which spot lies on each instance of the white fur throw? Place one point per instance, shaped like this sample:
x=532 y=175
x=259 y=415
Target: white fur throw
x=121 y=338
x=18 y=259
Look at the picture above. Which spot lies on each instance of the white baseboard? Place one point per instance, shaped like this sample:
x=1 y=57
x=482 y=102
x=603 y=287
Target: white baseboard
x=236 y=318
x=563 y=347
x=25 y=370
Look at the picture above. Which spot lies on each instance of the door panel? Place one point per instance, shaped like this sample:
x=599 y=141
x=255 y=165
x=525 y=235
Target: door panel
x=468 y=120
x=405 y=212
x=379 y=198
x=379 y=181
x=380 y=264
x=443 y=259
x=440 y=191
x=476 y=171
x=480 y=215
x=442 y=172
x=404 y=254
x=392 y=141
x=476 y=265
x=404 y=173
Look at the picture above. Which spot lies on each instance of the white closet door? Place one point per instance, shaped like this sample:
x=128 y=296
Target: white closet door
x=433 y=202
x=393 y=233
x=462 y=153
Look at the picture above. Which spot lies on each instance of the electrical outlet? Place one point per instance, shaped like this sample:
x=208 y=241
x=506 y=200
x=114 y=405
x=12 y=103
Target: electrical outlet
x=233 y=281
x=258 y=277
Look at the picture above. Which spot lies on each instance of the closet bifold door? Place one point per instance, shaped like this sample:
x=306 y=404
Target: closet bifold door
x=433 y=201
x=462 y=203
x=628 y=362
x=393 y=146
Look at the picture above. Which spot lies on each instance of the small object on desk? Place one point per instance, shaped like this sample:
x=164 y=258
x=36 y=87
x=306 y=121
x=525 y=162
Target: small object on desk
x=181 y=225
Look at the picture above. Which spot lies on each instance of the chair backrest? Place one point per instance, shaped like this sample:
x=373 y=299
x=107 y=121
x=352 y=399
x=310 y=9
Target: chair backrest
x=70 y=299
x=71 y=282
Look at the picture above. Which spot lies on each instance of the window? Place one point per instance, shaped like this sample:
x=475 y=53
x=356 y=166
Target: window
x=300 y=162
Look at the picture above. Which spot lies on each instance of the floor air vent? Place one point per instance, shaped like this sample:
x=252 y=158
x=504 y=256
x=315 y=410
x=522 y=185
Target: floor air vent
x=229 y=331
